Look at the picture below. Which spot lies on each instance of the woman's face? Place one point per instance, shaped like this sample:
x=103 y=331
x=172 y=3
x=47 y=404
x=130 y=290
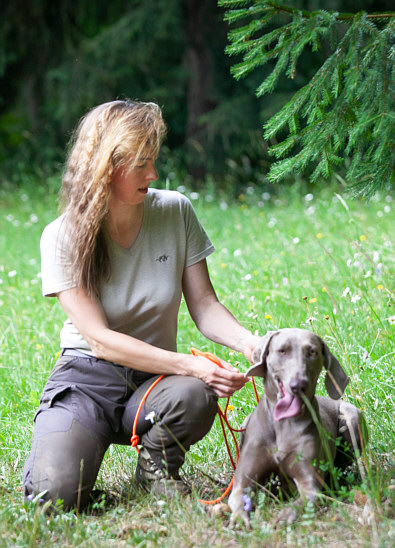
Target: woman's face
x=129 y=187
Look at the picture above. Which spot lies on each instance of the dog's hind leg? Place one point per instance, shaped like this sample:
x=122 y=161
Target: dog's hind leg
x=353 y=431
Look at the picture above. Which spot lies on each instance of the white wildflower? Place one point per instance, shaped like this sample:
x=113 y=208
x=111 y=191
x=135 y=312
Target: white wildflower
x=150 y=417
x=310 y=320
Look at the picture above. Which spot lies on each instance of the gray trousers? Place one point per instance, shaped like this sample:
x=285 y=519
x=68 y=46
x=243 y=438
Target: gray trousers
x=87 y=404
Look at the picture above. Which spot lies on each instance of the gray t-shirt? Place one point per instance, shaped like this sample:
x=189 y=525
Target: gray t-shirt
x=142 y=297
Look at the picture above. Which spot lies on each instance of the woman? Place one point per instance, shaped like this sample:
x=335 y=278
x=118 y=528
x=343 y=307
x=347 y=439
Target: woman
x=118 y=259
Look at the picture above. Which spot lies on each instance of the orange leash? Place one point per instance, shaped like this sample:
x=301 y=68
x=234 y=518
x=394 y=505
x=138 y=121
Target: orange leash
x=212 y=357
x=134 y=440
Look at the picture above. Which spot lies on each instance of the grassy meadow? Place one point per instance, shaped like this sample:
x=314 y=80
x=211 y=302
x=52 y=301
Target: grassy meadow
x=286 y=257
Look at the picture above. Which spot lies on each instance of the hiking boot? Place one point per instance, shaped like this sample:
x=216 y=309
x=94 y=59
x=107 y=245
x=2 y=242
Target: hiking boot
x=158 y=481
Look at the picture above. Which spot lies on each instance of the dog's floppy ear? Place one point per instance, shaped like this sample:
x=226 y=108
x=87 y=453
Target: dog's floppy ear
x=335 y=379
x=259 y=356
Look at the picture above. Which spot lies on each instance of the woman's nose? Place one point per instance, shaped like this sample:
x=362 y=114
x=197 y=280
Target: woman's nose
x=152 y=174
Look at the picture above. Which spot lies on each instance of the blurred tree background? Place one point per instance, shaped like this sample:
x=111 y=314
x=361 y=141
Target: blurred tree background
x=60 y=58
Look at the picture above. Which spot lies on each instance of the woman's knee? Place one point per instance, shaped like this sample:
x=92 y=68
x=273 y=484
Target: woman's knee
x=200 y=398
x=63 y=466
x=189 y=397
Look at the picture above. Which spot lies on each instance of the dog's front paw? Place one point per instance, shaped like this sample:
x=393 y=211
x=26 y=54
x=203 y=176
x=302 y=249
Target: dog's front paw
x=241 y=506
x=239 y=519
x=287 y=515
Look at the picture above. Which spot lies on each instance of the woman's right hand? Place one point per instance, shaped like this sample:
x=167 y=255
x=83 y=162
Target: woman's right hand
x=225 y=380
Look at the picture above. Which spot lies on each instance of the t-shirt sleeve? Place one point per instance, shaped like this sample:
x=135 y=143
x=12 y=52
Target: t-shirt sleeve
x=55 y=259
x=198 y=244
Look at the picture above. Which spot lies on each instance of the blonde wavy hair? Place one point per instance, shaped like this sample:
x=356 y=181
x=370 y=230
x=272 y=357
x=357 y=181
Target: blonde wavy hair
x=111 y=135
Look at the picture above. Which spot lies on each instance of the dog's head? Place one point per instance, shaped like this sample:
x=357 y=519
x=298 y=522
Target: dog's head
x=290 y=361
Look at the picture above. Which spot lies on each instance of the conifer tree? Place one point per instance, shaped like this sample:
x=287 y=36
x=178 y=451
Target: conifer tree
x=344 y=115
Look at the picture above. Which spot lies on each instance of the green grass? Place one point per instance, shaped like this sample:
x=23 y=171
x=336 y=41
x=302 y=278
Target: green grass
x=323 y=262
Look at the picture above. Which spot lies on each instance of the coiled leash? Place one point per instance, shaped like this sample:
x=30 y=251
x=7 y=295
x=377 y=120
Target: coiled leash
x=134 y=440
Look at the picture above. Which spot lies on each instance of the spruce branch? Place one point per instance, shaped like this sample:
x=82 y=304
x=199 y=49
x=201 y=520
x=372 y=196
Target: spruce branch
x=345 y=110
x=339 y=16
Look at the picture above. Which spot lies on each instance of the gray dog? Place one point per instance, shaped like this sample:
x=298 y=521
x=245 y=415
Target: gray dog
x=283 y=433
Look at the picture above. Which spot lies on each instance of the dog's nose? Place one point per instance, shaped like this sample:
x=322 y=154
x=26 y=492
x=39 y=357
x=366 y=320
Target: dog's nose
x=298 y=385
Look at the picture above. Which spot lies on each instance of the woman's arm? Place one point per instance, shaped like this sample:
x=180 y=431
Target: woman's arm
x=87 y=315
x=210 y=316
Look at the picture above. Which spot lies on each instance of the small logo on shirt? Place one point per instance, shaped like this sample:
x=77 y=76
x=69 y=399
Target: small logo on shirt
x=162 y=258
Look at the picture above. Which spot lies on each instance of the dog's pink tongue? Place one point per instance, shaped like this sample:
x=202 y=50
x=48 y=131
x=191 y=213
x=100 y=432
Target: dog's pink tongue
x=288 y=406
